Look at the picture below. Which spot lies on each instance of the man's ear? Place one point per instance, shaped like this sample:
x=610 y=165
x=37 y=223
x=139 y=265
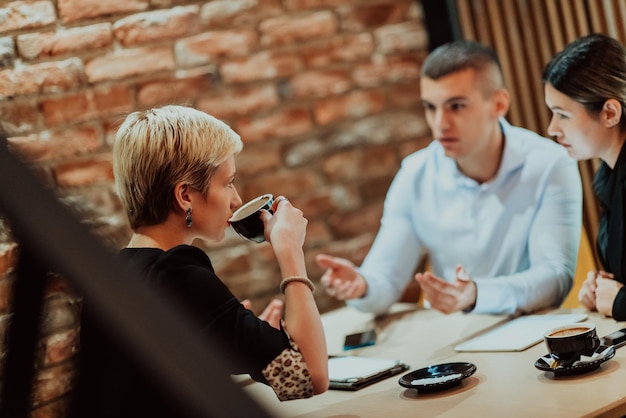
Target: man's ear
x=182 y=197
x=611 y=113
x=501 y=101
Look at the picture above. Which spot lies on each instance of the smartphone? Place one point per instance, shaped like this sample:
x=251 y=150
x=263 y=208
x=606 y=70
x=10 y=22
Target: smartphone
x=360 y=339
x=617 y=338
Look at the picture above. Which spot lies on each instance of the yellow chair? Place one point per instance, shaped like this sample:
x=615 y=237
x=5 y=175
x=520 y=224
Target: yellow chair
x=585 y=263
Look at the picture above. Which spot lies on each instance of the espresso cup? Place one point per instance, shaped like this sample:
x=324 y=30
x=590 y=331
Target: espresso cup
x=246 y=220
x=568 y=342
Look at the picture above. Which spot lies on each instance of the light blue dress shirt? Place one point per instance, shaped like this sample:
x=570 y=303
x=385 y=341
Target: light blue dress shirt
x=517 y=235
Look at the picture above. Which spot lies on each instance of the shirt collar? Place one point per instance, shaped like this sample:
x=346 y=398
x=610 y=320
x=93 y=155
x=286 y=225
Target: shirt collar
x=513 y=157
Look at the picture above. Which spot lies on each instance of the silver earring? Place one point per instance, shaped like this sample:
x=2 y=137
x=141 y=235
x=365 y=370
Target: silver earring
x=188 y=218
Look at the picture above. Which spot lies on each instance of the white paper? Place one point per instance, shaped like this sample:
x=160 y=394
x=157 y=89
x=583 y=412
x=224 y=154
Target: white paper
x=519 y=333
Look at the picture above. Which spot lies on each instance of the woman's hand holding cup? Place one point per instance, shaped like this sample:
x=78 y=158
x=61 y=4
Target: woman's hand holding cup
x=286 y=225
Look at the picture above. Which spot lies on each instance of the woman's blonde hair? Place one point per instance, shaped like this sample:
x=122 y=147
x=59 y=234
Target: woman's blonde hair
x=158 y=148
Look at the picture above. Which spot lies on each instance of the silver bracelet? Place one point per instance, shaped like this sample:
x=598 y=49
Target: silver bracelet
x=300 y=279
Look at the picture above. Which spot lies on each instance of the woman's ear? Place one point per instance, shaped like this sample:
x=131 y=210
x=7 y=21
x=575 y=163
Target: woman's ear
x=611 y=113
x=182 y=197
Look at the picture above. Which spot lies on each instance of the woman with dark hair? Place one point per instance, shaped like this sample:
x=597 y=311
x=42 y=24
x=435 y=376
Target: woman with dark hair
x=585 y=88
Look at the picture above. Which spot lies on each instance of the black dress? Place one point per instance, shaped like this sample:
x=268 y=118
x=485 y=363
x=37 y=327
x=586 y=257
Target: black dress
x=610 y=187
x=110 y=385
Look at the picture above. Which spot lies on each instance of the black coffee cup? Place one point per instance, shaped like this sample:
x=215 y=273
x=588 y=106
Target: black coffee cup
x=568 y=343
x=246 y=220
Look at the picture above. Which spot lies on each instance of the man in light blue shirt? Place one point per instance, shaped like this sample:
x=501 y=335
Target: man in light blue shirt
x=497 y=208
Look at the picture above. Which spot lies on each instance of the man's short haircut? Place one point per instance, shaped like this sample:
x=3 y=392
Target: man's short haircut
x=456 y=56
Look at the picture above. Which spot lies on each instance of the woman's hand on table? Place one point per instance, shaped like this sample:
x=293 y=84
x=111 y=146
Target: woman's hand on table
x=587 y=293
x=606 y=291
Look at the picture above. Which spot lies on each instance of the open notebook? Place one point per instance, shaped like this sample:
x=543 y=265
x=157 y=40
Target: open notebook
x=519 y=333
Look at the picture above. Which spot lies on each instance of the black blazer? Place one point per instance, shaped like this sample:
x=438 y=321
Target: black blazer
x=610 y=187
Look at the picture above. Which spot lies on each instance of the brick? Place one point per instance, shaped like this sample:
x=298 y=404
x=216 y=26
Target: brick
x=253 y=161
x=210 y=46
x=352 y=224
x=401 y=37
x=261 y=66
x=379 y=161
x=57 y=285
x=52 y=383
x=233 y=261
x=305 y=152
x=50 y=44
x=405 y=95
x=5 y=232
x=46 y=146
x=97 y=169
x=238 y=12
x=129 y=62
x=241 y=101
x=87 y=105
x=376 y=187
x=356 y=104
x=391 y=69
x=338 y=49
x=73 y=10
x=59 y=347
x=343 y=166
x=6 y=296
x=110 y=127
x=288 y=29
x=7 y=52
x=56 y=409
x=317 y=234
x=290 y=183
x=320 y=202
x=157 y=25
x=59 y=314
x=410 y=147
x=381 y=129
x=174 y=90
x=368 y=16
x=19 y=15
x=40 y=78
x=319 y=83
x=8 y=257
x=354 y=249
x=282 y=123
x=18 y=117
x=315 y=4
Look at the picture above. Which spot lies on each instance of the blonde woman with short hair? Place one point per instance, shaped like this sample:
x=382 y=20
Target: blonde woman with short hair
x=174 y=170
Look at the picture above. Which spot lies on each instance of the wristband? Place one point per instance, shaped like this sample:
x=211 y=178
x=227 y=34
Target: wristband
x=300 y=279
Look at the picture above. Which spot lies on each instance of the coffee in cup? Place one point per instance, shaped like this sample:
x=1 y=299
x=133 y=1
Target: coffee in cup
x=246 y=220
x=568 y=342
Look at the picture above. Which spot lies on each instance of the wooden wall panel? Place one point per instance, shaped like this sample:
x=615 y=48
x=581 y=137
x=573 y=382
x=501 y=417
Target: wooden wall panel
x=526 y=34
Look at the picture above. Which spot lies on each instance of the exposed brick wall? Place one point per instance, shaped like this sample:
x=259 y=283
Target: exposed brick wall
x=323 y=92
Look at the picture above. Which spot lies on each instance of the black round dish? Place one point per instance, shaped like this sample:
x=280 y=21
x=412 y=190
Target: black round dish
x=437 y=377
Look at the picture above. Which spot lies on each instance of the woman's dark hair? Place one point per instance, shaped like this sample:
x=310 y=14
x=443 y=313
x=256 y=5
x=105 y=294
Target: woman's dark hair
x=590 y=70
